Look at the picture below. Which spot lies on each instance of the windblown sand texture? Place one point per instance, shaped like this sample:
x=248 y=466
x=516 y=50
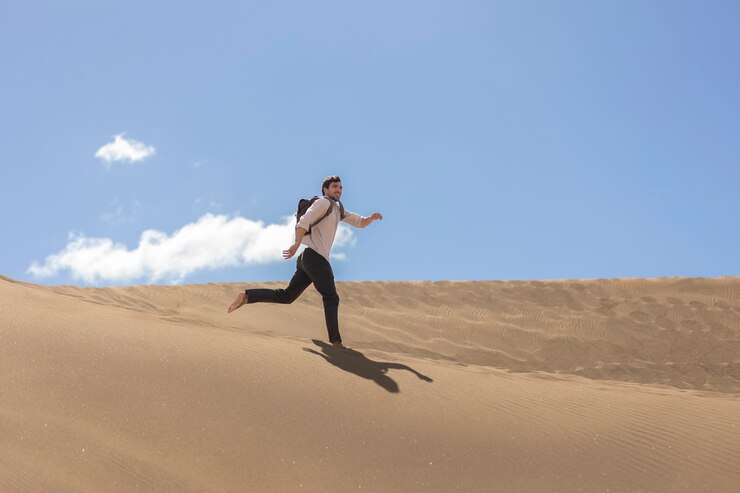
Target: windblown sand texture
x=599 y=385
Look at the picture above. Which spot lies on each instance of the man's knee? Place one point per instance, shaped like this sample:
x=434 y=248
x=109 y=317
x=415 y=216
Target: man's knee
x=288 y=296
x=331 y=299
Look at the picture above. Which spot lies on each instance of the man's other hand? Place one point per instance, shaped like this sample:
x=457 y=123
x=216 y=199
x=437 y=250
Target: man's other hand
x=291 y=251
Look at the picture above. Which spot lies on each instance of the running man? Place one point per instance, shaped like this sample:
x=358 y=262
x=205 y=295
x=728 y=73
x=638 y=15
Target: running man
x=312 y=266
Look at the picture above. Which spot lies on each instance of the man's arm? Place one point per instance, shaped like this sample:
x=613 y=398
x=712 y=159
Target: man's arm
x=313 y=213
x=299 y=234
x=361 y=222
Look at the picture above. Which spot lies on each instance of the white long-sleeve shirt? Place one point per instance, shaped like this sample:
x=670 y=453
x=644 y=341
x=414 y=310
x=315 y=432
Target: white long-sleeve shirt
x=322 y=234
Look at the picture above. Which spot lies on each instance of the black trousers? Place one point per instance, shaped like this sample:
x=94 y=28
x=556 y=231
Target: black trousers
x=311 y=267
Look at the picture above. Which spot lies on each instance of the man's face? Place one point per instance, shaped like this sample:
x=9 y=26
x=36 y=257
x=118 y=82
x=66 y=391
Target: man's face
x=334 y=191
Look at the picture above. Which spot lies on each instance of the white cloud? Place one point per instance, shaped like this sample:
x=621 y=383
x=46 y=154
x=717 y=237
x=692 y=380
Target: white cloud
x=122 y=150
x=212 y=242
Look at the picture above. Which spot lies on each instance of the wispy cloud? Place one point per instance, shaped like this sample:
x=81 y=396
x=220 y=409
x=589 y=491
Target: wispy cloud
x=124 y=150
x=212 y=242
x=205 y=204
x=118 y=215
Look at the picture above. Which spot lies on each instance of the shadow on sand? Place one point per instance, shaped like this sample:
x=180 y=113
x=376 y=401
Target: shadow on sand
x=355 y=362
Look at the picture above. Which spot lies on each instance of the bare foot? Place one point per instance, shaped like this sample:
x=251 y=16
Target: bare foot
x=238 y=302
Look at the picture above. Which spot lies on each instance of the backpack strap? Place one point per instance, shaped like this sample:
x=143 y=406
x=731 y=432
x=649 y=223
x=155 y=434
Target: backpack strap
x=328 y=211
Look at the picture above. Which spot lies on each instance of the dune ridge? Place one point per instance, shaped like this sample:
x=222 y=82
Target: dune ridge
x=593 y=385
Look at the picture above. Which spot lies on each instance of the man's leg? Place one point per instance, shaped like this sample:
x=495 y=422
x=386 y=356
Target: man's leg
x=320 y=271
x=298 y=284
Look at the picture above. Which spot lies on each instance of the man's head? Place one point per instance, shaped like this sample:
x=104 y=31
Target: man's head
x=332 y=187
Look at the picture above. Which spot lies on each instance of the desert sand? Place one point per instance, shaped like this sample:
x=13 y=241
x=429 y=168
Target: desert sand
x=619 y=385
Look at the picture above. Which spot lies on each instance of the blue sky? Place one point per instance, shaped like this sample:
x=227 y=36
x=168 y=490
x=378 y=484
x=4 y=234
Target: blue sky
x=500 y=140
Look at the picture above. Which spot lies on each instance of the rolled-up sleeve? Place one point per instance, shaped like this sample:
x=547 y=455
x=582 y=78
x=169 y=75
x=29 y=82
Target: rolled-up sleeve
x=353 y=219
x=314 y=213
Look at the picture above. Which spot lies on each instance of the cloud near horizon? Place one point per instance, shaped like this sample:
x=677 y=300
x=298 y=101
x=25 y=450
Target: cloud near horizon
x=124 y=150
x=212 y=242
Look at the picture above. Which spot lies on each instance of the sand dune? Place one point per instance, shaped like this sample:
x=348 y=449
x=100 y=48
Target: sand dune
x=618 y=385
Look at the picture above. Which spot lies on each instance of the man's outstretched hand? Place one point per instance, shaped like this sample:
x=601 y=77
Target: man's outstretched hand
x=367 y=221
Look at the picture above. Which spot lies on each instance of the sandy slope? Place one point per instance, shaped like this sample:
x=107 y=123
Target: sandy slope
x=624 y=385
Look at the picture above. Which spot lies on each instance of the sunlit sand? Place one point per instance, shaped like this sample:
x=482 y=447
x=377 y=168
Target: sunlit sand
x=593 y=385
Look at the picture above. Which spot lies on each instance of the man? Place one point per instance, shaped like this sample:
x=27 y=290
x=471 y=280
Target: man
x=312 y=266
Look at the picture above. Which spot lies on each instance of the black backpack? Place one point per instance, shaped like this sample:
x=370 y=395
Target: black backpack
x=304 y=204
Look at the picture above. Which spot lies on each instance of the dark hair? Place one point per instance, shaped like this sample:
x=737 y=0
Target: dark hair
x=328 y=181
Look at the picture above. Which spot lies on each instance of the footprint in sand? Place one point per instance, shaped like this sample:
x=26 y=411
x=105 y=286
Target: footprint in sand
x=606 y=306
x=720 y=330
x=608 y=303
x=665 y=323
x=640 y=316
